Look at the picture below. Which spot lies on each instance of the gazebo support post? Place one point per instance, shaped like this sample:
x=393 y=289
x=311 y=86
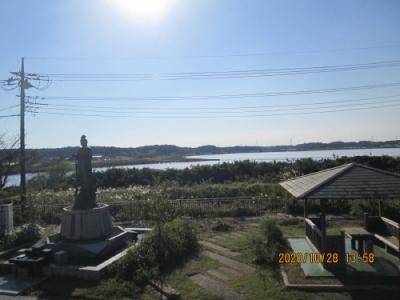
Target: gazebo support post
x=323 y=224
x=305 y=208
x=365 y=221
x=379 y=208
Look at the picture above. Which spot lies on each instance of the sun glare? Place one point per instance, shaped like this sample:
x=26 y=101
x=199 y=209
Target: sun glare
x=152 y=10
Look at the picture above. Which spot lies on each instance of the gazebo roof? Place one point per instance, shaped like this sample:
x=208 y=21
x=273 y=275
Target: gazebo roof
x=348 y=181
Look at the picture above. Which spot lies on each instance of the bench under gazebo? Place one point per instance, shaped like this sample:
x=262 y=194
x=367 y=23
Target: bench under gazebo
x=348 y=182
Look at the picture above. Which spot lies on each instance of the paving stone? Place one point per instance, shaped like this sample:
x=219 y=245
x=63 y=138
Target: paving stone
x=237 y=234
x=223 y=250
x=221 y=236
x=219 y=275
x=229 y=262
x=231 y=272
x=216 y=287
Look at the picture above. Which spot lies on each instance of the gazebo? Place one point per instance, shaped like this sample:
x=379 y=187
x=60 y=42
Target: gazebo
x=348 y=182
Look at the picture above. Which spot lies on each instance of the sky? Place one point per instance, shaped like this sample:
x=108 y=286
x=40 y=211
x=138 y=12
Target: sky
x=189 y=36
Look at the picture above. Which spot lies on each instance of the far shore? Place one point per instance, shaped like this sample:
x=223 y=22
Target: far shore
x=69 y=165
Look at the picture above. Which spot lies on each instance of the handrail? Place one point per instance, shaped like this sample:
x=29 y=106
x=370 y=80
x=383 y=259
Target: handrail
x=390 y=222
x=313 y=226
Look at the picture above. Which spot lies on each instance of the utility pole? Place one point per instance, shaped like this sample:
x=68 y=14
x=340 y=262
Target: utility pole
x=22 y=139
x=22 y=80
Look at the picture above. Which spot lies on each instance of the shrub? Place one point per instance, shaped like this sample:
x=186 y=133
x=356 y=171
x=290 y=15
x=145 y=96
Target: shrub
x=390 y=208
x=268 y=243
x=221 y=226
x=24 y=234
x=165 y=247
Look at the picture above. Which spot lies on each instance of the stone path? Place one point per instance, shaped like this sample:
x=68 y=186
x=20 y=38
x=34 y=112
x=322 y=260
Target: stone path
x=219 y=275
x=216 y=281
x=229 y=262
x=221 y=237
x=223 y=250
x=216 y=287
x=237 y=234
x=230 y=272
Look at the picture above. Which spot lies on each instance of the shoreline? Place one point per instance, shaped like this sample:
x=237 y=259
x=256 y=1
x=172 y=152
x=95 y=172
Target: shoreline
x=112 y=162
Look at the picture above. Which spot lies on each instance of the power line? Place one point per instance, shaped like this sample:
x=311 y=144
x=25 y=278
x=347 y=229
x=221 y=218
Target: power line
x=221 y=96
x=218 y=112
x=278 y=72
x=223 y=116
x=300 y=106
x=231 y=55
x=231 y=74
x=8 y=116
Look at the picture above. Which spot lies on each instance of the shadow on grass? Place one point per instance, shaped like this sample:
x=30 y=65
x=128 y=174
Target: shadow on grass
x=67 y=288
x=64 y=287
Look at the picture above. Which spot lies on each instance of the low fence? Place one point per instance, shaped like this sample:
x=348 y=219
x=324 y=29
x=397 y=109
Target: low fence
x=313 y=233
x=382 y=225
x=144 y=209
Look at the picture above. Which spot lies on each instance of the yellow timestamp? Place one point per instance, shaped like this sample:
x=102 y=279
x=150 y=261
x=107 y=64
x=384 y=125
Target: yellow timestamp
x=324 y=258
x=354 y=257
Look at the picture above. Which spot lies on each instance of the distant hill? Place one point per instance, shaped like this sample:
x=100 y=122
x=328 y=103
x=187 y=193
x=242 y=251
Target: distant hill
x=171 y=150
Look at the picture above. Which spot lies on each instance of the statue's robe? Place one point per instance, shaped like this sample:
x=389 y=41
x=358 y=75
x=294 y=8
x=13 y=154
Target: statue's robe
x=85 y=197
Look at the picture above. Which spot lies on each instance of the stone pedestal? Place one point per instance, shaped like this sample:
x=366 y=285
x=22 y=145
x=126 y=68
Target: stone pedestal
x=87 y=224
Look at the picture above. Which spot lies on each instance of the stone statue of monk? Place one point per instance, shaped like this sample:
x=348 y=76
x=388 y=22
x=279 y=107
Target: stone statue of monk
x=85 y=188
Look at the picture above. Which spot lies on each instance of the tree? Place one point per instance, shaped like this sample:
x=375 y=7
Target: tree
x=8 y=158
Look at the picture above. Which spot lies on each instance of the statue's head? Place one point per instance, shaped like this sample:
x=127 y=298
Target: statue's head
x=84 y=141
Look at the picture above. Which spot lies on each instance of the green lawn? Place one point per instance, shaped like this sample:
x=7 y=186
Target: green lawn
x=180 y=281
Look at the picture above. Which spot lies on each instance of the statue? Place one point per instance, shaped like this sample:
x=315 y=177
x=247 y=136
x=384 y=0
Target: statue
x=85 y=187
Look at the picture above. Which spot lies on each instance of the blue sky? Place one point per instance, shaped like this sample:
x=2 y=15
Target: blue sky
x=95 y=36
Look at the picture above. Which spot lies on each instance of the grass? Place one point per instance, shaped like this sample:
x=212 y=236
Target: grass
x=180 y=281
x=263 y=284
x=88 y=289
x=239 y=244
x=290 y=231
x=333 y=227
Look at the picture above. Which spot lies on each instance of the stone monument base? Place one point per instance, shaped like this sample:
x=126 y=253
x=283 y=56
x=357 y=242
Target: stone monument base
x=86 y=224
x=90 y=250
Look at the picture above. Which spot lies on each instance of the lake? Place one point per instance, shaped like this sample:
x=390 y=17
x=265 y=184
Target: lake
x=232 y=157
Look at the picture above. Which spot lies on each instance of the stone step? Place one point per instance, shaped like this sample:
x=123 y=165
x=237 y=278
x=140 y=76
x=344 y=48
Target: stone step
x=221 y=236
x=219 y=275
x=229 y=262
x=231 y=272
x=216 y=287
x=223 y=250
x=237 y=234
